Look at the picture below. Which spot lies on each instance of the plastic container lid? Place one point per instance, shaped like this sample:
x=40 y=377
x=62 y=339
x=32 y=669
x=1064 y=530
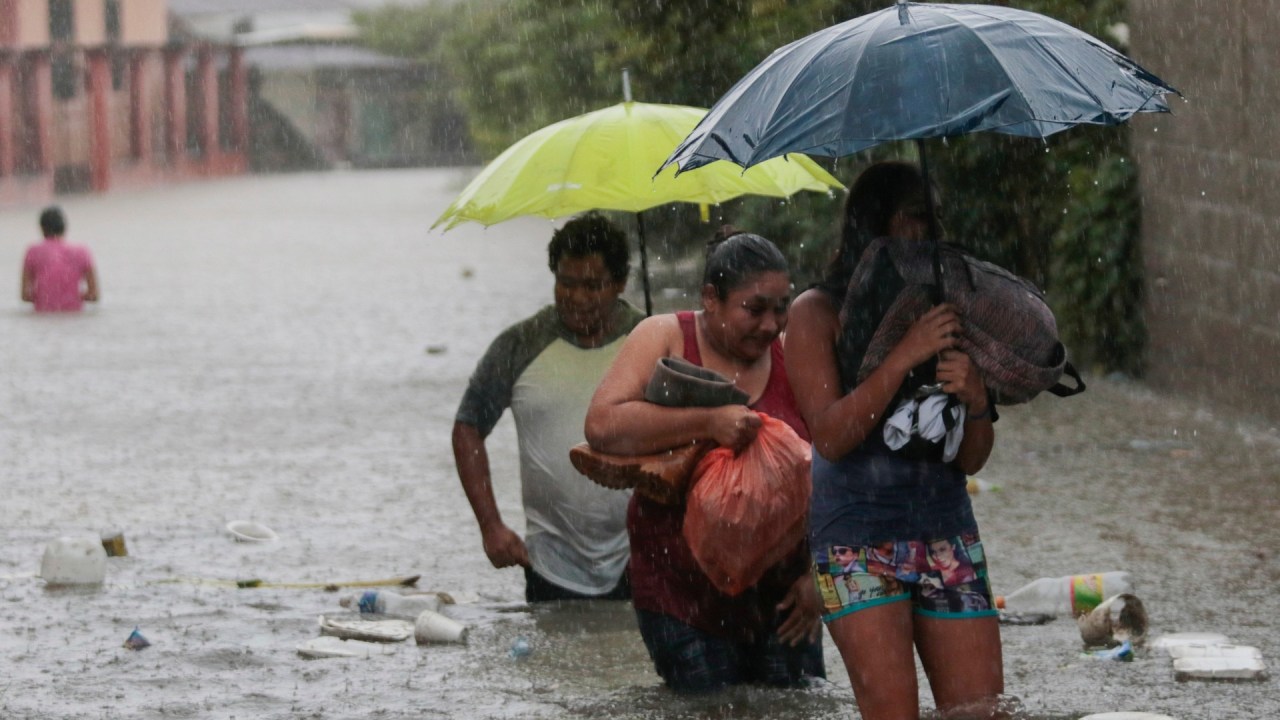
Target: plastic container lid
x=249 y=531
x=329 y=647
x=385 y=631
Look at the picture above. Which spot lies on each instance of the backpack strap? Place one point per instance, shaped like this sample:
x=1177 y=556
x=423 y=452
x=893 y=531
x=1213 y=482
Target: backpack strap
x=948 y=421
x=1062 y=390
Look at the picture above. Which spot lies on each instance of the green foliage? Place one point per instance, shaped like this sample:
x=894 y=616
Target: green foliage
x=523 y=65
x=1098 y=286
x=1062 y=212
x=1045 y=209
x=418 y=33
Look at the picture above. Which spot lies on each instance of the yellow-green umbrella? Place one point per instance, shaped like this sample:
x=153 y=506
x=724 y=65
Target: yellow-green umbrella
x=605 y=160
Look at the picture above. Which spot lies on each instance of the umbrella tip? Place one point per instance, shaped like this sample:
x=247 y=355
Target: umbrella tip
x=903 y=17
x=626 y=85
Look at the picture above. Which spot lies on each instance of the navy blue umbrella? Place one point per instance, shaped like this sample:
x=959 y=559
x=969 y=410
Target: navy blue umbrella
x=921 y=70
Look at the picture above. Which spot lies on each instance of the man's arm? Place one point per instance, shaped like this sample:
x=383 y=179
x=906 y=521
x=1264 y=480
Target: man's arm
x=502 y=545
x=28 y=284
x=90 y=285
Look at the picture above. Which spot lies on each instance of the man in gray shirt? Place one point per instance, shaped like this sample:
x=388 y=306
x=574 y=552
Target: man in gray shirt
x=546 y=368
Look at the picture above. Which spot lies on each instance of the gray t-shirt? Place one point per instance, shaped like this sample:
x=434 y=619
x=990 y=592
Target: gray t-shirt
x=576 y=530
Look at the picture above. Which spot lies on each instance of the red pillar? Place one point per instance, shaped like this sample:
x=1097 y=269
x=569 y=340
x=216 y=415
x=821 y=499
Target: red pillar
x=175 y=101
x=98 y=81
x=6 y=115
x=238 y=79
x=40 y=95
x=207 y=89
x=140 y=106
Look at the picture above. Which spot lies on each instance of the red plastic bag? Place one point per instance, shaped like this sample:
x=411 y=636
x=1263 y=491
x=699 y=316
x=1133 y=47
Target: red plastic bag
x=747 y=512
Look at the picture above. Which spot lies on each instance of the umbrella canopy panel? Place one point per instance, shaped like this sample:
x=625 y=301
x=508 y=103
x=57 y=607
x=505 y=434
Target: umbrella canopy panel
x=605 y=160
x=921 y=70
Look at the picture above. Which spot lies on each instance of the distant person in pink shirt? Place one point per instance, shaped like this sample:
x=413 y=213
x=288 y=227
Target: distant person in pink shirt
x=54 y=269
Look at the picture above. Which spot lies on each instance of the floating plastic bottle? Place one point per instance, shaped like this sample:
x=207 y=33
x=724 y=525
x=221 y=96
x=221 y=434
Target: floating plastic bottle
x=520 y=648
x=383 y=602
x=1071 y=595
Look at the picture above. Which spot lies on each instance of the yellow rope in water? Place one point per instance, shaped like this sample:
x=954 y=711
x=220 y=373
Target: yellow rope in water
x=406 y=581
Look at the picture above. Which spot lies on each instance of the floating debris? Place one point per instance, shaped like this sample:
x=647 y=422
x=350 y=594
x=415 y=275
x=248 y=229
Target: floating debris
x=249 y=531
x=1122 y=652
x=520 y=649
x=432 y=627
x=113 y=543
x=1219 y=668
x=330 y=647
x=370 y=630
x=136 y=641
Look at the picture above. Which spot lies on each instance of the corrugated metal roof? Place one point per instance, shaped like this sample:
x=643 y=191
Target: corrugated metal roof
x=251 y=7
x=218 y=20
x=307 y=57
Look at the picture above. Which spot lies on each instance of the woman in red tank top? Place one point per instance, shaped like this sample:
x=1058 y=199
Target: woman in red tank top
x=699 y=638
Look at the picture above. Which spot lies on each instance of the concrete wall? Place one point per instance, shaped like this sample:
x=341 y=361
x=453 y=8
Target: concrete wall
x=8 y=22
x=1211 y=211
x=90 y=24
x=144 y=23
x=24 y=24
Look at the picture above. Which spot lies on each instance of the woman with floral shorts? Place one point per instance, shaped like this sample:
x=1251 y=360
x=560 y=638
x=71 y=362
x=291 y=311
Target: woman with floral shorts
x=897 y=556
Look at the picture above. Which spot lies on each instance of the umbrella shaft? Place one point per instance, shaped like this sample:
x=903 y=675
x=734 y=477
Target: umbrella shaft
x=644 y=266
x=938 y=294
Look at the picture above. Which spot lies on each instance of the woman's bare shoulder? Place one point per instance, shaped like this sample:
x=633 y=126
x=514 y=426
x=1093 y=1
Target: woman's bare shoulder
x=816 y=307
x=659 y=325
x=659 y=333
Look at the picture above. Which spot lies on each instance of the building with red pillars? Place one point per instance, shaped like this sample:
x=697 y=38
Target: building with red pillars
x=95 y=96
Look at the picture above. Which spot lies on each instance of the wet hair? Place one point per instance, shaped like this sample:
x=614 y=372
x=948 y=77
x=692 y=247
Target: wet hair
x=735 y=256
x=879 y=192
x=52 y=221
x=591 y=234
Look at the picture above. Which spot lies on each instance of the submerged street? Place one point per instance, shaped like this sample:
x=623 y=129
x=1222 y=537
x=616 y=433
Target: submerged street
x=290 y=350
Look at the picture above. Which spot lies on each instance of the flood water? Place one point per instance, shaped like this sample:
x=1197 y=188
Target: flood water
x=291 y=349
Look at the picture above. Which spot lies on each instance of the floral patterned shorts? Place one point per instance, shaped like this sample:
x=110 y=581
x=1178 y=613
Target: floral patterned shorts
x=942 y=577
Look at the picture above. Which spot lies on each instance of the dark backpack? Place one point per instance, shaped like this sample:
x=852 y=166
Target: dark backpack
x=1009 y=331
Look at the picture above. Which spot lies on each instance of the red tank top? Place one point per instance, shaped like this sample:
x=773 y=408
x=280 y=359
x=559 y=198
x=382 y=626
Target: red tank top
x=664 y=576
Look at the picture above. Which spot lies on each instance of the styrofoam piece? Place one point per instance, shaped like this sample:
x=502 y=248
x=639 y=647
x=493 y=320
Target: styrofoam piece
x=74 y=560
x=1218 y=668
x=1243 y=652
x=249 y=531
x=1127 y=716
x=371 y=630
x=327 y=646
x=1164 y=642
